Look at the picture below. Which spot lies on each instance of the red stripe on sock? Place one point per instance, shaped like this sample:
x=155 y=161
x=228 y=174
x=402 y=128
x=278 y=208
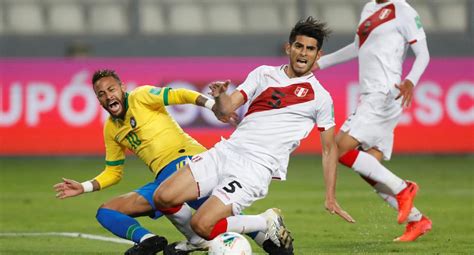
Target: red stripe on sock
x=349 y=158
x=219 y=228
x=171 y=210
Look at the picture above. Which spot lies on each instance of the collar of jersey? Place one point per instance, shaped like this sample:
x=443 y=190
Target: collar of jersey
x=282 y=71
x=126 y=108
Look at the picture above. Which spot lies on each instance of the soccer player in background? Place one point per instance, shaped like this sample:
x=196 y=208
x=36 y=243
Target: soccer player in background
x=139 y=122
x=286 y=102
x=386 y=30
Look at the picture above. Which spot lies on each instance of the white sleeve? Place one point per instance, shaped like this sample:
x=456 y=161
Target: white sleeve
x=410 y=24
x=420 y=48
x=325 y=114
x=250 y=85
x=347 y=53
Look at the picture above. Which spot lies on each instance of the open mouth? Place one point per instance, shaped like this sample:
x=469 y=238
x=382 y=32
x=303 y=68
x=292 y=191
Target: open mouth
x=301 y=62
x=113 y=106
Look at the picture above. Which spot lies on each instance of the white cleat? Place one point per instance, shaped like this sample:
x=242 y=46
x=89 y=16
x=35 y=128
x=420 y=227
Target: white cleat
x=185 y=247
x=276 y=230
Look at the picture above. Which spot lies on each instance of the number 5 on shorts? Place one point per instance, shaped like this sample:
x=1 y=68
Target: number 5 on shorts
x=231 y=188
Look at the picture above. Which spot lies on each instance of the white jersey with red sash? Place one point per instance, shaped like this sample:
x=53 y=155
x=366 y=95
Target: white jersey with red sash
x=384 y=34
x=282 y=111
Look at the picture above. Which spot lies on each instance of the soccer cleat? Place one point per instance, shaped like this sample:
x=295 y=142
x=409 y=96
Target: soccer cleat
x=405 y=201
x=272 y=249
x=414 y=230
x=150 y=246
x=276 y=230
x=184 y=247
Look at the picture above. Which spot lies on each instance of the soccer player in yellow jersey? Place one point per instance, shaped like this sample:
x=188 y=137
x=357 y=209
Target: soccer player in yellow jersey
x=139 y=122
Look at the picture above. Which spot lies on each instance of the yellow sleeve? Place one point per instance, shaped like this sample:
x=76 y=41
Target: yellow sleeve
x=182 y=96
x=114 y=159
x=110 y=176
x=156 y=97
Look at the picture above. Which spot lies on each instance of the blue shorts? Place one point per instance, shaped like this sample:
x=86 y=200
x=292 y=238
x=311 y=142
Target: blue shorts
x=148 y=190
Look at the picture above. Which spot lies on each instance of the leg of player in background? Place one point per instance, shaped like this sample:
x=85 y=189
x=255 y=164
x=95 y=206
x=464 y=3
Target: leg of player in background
x=417 y=223
x=386 y=184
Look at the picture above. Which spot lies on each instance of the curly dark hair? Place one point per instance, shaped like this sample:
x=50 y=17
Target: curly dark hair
x=101 y=73
x=310 y=27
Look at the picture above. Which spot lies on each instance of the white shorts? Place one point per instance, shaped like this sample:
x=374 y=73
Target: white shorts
x=229 y=176
x=373 y=122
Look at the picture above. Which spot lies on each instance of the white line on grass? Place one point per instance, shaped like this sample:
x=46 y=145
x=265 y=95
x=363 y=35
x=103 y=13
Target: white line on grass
x=71 y=234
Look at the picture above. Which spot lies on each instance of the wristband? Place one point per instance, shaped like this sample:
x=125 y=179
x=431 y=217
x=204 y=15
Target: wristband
x=209 y=104
x=87 y=186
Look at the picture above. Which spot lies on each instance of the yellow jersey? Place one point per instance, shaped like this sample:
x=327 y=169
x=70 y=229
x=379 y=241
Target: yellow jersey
x=148 y=131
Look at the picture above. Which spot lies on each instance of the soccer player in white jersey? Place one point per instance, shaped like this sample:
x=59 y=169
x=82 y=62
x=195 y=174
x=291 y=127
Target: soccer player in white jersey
x=286 y=102
x=386 y=30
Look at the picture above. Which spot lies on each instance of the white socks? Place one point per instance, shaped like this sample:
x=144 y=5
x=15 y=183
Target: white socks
x=386 y=184
x=368 y=166
x=182 y=221
x=415 y=214
x=246 y=224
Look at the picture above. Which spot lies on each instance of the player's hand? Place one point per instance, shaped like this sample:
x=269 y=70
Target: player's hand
x=68 y=188
x=406 y=91
x=218 y=87
x=333 y=208
x=231 y=119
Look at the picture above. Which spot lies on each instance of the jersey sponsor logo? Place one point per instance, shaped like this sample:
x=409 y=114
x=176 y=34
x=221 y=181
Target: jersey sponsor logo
x=380 y=17
x=301 y=92
x=281 y=97
x=133 y=122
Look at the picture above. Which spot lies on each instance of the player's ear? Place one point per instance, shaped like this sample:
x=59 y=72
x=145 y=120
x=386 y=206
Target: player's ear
x=319 y=54
x=123 y=87
x=287 y=48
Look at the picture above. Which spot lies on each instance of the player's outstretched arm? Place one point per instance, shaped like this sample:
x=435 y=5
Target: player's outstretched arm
x=231 y=118
x=71 y=188
x=344 y=54
x=225 y=104
x=329 y=160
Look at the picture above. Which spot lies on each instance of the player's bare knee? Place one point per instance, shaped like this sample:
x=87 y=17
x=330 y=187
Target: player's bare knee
x=111 y=206
x=163 y=199
x=201 y=227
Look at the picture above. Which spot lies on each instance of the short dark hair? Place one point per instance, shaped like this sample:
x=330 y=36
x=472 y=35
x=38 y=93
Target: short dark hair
x=310 y=27
x=101 y=73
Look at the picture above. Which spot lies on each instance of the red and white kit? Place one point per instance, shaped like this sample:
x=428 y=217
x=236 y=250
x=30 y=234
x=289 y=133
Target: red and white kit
x=282 y=111
x=384 y=34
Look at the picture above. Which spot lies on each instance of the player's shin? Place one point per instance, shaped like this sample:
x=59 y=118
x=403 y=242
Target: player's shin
x=415 y=214
x=180 y=216
x=369 y=167
x=242 y=224
x=122 y=225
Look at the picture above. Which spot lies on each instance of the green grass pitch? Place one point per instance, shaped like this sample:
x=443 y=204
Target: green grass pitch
x=27 y=204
